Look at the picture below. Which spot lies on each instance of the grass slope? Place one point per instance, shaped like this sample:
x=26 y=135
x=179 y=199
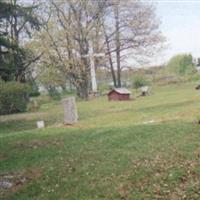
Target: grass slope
x=147 y=148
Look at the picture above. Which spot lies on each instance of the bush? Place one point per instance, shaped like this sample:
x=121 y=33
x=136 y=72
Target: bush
x=181 y=64
x=33 y=105
x=168 y=79
x=34 y=90
x=193 y=77
x=54 y=93
x=103 y=88
x=139 y=81
x=14 y=97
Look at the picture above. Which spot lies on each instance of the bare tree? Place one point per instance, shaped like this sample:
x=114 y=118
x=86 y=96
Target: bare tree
x=72 y=24
x=130 y=28
x=122 y=29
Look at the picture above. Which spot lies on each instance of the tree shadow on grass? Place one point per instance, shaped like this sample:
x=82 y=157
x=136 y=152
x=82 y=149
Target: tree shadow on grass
x=18 y=123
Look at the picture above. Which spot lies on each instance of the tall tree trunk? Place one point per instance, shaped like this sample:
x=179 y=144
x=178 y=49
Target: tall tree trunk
x=110 y=58
x=117 y=43
x=82 y=90
x=19 y=69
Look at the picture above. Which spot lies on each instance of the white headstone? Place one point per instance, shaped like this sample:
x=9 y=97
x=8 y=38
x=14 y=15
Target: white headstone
x=70 y=110
x=144 y=89
x=40 y=124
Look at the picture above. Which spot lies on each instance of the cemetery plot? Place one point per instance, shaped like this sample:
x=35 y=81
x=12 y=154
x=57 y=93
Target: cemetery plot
x=147 y=148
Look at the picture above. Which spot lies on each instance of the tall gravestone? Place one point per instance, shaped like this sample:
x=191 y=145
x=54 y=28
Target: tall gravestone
x=70 y=111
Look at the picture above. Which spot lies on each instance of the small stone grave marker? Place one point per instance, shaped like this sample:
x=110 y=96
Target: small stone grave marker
x=5 y=184
x=40 y=124
x=144 y=90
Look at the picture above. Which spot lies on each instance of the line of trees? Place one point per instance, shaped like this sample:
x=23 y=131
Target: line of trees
x=52 y=39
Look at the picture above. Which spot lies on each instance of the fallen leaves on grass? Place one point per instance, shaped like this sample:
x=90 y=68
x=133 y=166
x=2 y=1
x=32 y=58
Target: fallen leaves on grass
x=163 y=177
x=18 y=179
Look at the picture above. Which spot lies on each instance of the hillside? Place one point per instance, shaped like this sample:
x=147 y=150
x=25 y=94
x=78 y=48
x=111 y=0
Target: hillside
x=147 y=148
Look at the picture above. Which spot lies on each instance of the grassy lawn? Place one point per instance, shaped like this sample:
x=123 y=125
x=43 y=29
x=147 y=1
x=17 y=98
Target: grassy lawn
x=147 y=148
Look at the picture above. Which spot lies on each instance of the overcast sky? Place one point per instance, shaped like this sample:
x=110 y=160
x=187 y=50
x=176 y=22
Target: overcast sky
x=181 y=26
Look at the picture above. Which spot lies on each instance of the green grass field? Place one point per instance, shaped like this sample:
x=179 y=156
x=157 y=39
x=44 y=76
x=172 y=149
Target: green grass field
x=147 y=148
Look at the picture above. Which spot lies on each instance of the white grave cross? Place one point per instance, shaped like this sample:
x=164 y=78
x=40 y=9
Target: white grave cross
x=91 y=56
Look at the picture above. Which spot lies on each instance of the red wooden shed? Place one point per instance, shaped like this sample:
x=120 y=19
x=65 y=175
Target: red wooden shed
x=119 y=94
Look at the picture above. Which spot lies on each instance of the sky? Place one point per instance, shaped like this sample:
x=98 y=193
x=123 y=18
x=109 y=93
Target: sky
x=180 y=24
